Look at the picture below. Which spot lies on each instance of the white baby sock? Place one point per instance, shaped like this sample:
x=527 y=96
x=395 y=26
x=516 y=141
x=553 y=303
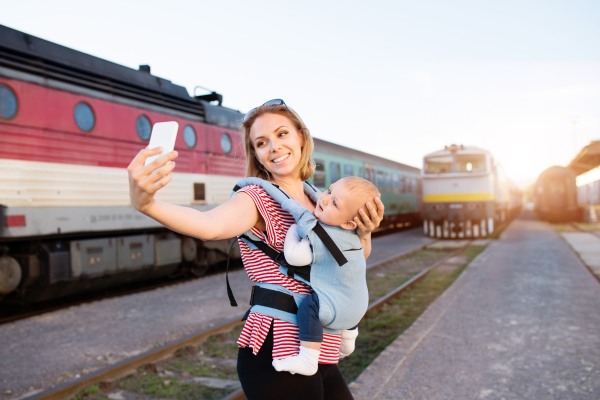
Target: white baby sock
x=347 y=345
x=305 y=363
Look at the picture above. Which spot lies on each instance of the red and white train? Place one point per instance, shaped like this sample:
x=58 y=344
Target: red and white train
x=70 y=123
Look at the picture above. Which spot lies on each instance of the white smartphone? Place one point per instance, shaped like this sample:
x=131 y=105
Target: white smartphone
x=163 y=134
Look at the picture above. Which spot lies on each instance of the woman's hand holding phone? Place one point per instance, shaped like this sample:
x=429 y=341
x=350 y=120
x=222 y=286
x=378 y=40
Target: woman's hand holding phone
x=146 y=180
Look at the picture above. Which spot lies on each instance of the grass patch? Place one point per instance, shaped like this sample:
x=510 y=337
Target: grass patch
x=385 y=278
x=223 y=345
x=381 y=327
x=562 y=227
x=169 y=388
x=90 y=393
x=171 y=378
x=589 y=227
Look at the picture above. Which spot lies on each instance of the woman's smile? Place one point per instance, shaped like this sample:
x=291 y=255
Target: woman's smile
x=280 y=159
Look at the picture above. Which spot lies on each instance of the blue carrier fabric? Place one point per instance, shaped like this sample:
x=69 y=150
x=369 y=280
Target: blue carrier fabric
x=337 y=272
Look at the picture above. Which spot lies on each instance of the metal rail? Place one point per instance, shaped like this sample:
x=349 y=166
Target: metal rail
x=128 y=366
x=125 y=367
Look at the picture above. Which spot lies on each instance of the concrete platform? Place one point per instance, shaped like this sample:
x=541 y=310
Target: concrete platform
x=587 y=246
x=521 y=322
x=52 y=348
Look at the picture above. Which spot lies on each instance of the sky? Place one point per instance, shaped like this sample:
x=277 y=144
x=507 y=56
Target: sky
x=399 y=79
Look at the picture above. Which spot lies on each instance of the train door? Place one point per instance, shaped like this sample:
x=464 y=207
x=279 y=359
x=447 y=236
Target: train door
x=370 y=174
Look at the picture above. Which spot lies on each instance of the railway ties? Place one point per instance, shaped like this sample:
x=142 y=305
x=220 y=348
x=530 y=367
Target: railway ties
x=121 y=368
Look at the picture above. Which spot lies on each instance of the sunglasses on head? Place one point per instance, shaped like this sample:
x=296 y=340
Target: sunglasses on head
x=274 y=102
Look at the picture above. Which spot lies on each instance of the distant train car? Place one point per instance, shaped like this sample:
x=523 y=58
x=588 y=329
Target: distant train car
x=555 y=195
x=399 y=184
x=586 y=166
x=465 y=192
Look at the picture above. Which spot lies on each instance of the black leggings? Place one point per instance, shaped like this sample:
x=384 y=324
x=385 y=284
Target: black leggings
x=260 y=381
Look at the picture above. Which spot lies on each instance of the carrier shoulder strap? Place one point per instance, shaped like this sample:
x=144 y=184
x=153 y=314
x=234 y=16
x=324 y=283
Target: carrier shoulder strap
x=279 y=258
x=331 y=246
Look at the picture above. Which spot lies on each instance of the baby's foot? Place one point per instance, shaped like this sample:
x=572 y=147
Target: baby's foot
x=305 y=363
x=348 y=340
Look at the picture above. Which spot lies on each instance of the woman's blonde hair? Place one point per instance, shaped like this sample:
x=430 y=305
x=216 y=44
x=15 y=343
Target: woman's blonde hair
x=253 y=167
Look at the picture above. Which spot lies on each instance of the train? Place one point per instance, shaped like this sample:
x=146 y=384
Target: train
x=555 y=195
x=572 y=193
x=465 y=193
x=70 y=123
x=586 y=166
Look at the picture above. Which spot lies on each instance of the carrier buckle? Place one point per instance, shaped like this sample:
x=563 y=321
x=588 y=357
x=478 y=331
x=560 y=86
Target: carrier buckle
x=280 y=259
x=252 y=295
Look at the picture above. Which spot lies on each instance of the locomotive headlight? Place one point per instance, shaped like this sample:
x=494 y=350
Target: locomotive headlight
x=474 y=206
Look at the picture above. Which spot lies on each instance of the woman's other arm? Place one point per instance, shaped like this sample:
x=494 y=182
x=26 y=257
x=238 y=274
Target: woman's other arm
x=230 y=219
x=367 y=223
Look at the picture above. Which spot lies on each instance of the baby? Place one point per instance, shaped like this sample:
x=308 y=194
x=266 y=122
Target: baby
x=339 y=293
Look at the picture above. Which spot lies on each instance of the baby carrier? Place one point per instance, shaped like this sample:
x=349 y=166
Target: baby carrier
x=339 y=280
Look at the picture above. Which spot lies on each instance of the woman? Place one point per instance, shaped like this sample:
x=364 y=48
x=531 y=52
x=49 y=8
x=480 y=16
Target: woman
x=278 y=148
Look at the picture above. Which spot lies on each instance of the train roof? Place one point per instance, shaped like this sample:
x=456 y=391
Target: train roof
x=346 y=152
x=23 y=52
x=458 y=149
x=587 y=159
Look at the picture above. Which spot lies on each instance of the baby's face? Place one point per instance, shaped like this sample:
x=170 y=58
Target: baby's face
x=336 y=206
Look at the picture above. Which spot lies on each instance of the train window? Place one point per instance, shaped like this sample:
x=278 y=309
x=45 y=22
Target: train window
x=84 y=117
x=407 y=184
x=225 y=143
x=334 y=172
x=438 y=165
x=319 y=175
x=348 y=170
x=143 y=127
x=380 y=180
x=360 y=172
x=8 y=103
x=396 y=183
x=402 y=183
x=370 y=174
x=189 y=136
x=470 y=163
x=388 y=182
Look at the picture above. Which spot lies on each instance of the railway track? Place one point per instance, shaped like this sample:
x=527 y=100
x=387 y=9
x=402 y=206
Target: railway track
x=130 y=365
x=13 y=312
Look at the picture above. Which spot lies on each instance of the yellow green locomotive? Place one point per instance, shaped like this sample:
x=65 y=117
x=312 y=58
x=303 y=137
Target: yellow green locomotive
x=465 y=192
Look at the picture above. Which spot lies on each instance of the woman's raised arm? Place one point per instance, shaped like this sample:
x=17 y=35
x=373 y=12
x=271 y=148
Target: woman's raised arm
x=230 y=219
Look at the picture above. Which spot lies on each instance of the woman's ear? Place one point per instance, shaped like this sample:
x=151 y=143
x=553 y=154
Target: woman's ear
x=349 y=225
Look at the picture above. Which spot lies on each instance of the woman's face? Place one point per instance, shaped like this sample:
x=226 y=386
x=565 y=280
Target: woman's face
x=277 y=144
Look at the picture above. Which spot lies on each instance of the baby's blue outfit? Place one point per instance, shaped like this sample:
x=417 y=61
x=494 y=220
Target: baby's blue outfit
x=342 y=291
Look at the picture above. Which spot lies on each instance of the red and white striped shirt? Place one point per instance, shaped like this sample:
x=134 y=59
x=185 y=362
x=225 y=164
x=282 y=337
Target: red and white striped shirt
x=261 y=268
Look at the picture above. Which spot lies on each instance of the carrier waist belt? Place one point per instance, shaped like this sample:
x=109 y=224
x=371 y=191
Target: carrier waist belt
x=271 y=299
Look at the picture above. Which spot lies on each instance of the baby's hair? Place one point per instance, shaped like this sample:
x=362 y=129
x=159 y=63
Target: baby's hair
x=362 y=190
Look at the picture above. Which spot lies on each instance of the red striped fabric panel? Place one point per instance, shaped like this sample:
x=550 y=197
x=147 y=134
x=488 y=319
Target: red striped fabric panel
x=260 y=268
